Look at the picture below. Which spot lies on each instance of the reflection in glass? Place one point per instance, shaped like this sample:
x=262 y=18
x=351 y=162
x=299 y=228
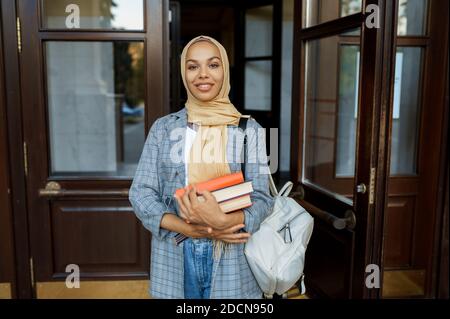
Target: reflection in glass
x=95 y=106
x=349 y=7
x=94 y=14
x=347 y=110
x=258 y=85
x=412 y=17
x=319 y=11
x=406 y=109
x=331 y=95
x=258 y=31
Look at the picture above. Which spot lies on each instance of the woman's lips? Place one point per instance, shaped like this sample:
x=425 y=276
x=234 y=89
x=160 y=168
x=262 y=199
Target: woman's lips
x=204 y=87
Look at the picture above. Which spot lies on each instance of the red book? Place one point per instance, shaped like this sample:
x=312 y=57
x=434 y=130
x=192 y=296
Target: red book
x=216 y=183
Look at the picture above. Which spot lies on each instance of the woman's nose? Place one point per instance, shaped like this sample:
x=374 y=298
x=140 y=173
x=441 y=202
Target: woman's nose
x=203 y=72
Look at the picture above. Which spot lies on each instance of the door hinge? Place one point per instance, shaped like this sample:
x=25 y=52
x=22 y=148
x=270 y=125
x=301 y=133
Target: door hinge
x=32 y=273
x=25 y=158
x=19 y=35
x=373 y=171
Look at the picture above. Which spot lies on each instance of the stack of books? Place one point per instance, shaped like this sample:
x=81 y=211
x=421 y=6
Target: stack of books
x=230 y=191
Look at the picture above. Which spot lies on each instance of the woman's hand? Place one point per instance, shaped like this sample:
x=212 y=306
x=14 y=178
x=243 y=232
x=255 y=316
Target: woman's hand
x=229 y=235
x=207 y=212
x=197 y=231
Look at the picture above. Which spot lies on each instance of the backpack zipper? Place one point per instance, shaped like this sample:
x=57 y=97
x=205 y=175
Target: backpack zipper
x=287 y=236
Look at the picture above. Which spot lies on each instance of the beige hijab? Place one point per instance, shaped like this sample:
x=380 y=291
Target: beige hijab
x=207 y=158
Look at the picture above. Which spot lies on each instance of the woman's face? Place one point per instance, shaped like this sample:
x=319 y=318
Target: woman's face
x=204 y=71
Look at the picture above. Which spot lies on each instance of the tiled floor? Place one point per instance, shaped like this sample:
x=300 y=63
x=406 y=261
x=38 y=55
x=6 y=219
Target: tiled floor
x=397 y=283
x=5 y=291
x=403 y=283
x=123 y=289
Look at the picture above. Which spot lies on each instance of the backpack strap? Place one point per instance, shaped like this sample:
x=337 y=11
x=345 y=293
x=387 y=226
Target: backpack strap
x=273 y=187
x=243 y=126
x=286 y=189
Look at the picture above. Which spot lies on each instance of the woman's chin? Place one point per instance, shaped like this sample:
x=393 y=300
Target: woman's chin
x=205 y=97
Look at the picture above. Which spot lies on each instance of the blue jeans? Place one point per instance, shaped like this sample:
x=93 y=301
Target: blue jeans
x=198 y=264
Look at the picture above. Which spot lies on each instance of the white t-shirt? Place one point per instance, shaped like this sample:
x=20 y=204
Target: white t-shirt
x=190 y=136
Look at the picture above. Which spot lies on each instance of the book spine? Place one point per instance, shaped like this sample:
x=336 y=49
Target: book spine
x=234 y=209
x=216 y=183
x=220 y=201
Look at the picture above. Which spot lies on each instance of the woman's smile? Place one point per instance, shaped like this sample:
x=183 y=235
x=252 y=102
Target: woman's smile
x=204 y=87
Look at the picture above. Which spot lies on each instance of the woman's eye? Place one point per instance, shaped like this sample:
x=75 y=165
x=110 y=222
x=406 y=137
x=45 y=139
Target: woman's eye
x=192 y=67
x=214 y=65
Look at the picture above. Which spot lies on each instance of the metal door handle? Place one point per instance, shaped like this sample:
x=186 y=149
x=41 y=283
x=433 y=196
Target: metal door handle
x=361 y=188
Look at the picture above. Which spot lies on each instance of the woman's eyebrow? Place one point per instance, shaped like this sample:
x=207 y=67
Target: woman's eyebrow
x=195 y=61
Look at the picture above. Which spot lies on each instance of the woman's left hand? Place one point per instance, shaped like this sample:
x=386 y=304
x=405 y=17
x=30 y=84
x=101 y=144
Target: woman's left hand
x=206 y=212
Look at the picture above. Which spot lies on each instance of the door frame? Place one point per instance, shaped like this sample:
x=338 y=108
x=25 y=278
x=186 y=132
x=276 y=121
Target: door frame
x=14 y=126
x=7 y=260
x=437 y=161
x=372 y=128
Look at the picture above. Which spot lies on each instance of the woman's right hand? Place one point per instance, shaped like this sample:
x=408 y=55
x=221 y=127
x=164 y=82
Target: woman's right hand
x=229 y=235
x=197 y=231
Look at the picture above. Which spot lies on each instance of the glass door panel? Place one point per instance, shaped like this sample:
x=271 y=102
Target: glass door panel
x=331 y=114
x=258 y=58
x=406 y=111
x=93 y=14
x=320 y=11
x=412 y=17
x=95 y=93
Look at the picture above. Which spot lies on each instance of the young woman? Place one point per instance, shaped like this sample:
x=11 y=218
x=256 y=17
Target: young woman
x=211 y=262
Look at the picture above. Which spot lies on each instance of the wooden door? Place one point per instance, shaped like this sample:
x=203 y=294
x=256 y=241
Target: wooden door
x=337 y=146
x=417 y=121
x=93 y=82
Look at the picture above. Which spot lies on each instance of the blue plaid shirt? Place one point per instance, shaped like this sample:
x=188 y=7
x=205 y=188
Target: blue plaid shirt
x=151 y=195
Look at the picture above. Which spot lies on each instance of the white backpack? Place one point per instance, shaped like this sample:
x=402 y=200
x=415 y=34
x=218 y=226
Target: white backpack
x=276 y=252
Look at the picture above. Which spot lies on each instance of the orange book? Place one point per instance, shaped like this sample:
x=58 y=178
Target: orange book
x=216 y=183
